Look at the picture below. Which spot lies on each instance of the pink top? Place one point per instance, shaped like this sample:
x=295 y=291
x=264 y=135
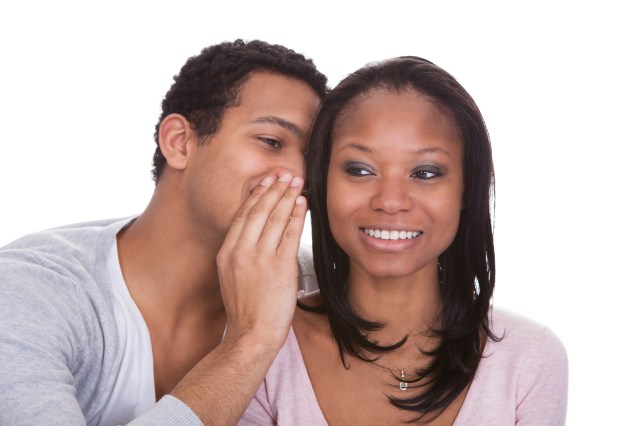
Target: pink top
x=521 y=380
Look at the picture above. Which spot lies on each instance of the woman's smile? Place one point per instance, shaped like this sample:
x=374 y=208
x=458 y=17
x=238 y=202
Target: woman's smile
x=391 y=234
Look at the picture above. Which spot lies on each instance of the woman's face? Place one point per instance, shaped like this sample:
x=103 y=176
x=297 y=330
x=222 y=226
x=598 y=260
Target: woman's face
x=395 y=183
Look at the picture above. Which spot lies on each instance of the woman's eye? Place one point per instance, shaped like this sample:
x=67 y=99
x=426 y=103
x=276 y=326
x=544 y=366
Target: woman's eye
x=425 y=174
x=357 y=170
x=275 y=143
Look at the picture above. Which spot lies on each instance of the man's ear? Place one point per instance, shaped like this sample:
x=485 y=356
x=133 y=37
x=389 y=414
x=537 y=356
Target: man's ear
x=173 y=138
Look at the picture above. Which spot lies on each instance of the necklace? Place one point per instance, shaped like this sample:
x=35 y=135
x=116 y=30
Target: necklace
x=403 y=385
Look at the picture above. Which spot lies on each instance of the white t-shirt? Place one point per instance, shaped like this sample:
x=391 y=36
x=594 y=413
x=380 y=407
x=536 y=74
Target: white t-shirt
x=132 y=386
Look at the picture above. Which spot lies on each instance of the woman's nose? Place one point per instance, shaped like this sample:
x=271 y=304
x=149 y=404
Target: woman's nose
x=391 y=196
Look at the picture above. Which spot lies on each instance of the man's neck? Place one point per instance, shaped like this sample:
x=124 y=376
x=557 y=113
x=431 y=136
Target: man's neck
x=173 y=279
x=170 y=273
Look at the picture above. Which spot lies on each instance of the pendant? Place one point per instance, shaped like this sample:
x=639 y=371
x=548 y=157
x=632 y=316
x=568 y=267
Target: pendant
x=403 y=385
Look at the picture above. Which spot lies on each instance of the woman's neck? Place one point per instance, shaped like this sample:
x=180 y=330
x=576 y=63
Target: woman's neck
x=406 y=305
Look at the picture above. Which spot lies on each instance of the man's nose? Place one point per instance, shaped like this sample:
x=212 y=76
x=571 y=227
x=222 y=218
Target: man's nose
x=294 y=163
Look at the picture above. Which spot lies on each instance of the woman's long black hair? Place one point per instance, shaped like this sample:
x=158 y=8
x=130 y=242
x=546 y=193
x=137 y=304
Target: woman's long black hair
x=467 y=267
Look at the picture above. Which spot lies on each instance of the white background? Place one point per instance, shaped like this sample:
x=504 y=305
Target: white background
x=81 y=85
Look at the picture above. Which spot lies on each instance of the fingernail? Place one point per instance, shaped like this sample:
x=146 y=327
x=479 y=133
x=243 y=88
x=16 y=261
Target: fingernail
x=267 y=181
x=299 y=200
x=285 y=177
x=296 y=181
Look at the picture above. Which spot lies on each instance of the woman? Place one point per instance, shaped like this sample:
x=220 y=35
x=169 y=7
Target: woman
x=401 y=177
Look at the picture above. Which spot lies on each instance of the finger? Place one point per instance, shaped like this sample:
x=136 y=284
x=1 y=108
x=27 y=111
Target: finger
x=280 y=216
x=243 y=214
x=290 y=242
x=258 y=215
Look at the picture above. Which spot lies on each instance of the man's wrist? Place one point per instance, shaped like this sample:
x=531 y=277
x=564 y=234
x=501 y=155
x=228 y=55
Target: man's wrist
x=255 y=342
x=210 y=389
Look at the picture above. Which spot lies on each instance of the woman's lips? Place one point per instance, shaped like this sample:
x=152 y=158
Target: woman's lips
x=391 y=234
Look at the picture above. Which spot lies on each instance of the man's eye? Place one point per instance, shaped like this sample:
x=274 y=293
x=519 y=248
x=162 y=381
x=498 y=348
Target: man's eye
x=275 y=143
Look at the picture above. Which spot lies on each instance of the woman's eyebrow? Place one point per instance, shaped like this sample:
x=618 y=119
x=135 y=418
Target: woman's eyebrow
x=429 y=150
x=433 y=149
x=357 y=147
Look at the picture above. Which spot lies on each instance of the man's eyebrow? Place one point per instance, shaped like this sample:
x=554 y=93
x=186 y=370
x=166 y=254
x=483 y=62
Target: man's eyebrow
x=282 y=123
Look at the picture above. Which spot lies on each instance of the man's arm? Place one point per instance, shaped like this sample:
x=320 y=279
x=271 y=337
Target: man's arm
x=41 y=337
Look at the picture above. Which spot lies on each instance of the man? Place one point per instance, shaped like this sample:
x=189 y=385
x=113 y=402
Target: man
x=188 y=303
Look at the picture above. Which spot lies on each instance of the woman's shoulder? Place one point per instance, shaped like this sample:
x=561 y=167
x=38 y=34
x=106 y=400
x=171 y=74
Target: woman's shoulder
x=515 y=330
x=522 y=374
x=522 y=342
x=503 y=320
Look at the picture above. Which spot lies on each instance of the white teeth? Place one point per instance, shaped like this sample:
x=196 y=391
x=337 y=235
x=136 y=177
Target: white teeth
x=384 y=234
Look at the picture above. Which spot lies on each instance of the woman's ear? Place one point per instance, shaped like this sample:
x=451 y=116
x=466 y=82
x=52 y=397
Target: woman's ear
x=465 y=199
x=173 y=139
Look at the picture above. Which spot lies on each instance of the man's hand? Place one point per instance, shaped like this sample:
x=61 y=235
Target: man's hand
x=257 y=264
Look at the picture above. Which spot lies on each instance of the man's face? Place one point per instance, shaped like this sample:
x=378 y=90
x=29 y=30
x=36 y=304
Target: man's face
x=266 y=133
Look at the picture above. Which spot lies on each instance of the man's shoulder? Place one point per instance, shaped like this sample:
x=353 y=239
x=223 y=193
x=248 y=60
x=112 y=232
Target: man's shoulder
x=74 y=236
x=306 y=274
x=58 y=263
x=76 y=243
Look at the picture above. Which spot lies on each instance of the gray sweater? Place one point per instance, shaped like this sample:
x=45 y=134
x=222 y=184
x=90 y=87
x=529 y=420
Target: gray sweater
x=58 y=334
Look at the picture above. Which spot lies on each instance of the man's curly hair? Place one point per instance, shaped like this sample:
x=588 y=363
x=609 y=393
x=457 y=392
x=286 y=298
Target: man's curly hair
x=209 y=83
